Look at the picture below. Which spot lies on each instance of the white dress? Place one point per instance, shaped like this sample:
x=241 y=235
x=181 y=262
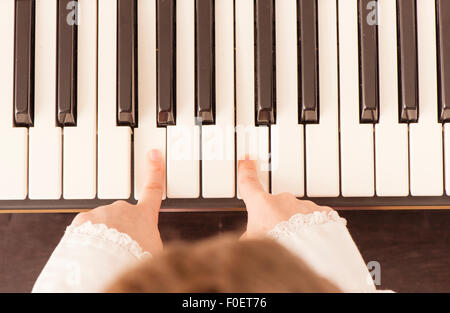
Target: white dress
x=90 y=256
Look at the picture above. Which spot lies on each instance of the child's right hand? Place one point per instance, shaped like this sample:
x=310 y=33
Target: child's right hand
x=264 y=210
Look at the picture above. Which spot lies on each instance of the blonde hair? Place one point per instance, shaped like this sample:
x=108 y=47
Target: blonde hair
x=223 y=265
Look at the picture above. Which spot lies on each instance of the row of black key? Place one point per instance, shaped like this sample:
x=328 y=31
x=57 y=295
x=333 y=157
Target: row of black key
x=66 y=63
x=265 y=69
x=24 y=25
x=127 y=66
x=265 y=81
x=443 y=45
x=66 y=67
x=204 y=61
x=265 y=62
x=24 y=64
x=407 y=61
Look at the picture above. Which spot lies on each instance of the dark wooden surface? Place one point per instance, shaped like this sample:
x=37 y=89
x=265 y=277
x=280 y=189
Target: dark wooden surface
x=413 y=247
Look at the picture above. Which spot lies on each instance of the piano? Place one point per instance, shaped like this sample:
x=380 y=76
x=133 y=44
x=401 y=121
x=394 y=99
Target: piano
x=344 y=102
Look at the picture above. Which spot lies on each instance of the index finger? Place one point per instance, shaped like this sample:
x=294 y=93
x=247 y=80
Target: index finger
x=154 y=186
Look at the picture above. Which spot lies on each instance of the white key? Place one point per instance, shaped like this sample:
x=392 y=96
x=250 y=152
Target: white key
x=322 y=140
x=218 y=179
x=114 y=142
x=287 y=134
x=357 y=163
x=251 y=140
x=14 y=143
x=79 y=148
x=147 y=136
x=425 y=137
x=183 y=139
x=45 y=160
x=391 y=137
x=447 y=157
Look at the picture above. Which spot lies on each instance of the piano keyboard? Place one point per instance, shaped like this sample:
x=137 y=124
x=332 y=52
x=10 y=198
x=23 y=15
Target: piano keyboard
x=343 y=102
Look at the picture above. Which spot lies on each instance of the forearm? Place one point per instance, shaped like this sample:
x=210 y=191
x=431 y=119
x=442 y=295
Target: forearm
x=87 y=258
x=322 y=240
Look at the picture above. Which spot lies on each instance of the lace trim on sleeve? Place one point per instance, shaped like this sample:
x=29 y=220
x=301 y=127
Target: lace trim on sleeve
x=299 y=221
x=110 y=234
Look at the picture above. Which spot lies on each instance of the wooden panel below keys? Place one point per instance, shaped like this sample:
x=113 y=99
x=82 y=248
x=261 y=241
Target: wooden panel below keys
x=223 y=204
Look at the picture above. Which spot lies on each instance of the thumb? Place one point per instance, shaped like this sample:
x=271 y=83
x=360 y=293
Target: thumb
x=250 y=188
x=153 y=190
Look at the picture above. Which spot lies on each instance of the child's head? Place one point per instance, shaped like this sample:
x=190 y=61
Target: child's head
x=223 y=265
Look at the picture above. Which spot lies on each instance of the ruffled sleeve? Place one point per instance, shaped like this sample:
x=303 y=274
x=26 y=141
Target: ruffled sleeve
x=322 y=240
x=87 y=259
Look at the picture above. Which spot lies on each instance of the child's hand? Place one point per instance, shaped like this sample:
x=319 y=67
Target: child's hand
x=266 y=210
x=139 y=221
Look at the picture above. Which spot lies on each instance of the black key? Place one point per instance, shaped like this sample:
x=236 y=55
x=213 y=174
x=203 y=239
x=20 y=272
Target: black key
x=443 y=45
x=166 y=60
x=66 y=79
x=24 y=63
x=368 y=65
x=408 y=91
x=205 y=61
x=308 y=61
x=127 y=63
x=265 y=62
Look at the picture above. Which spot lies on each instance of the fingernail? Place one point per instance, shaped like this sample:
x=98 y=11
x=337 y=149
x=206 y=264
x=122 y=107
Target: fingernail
x=155 y=155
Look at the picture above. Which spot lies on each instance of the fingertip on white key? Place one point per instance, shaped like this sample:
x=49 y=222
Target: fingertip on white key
x=153 y=188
